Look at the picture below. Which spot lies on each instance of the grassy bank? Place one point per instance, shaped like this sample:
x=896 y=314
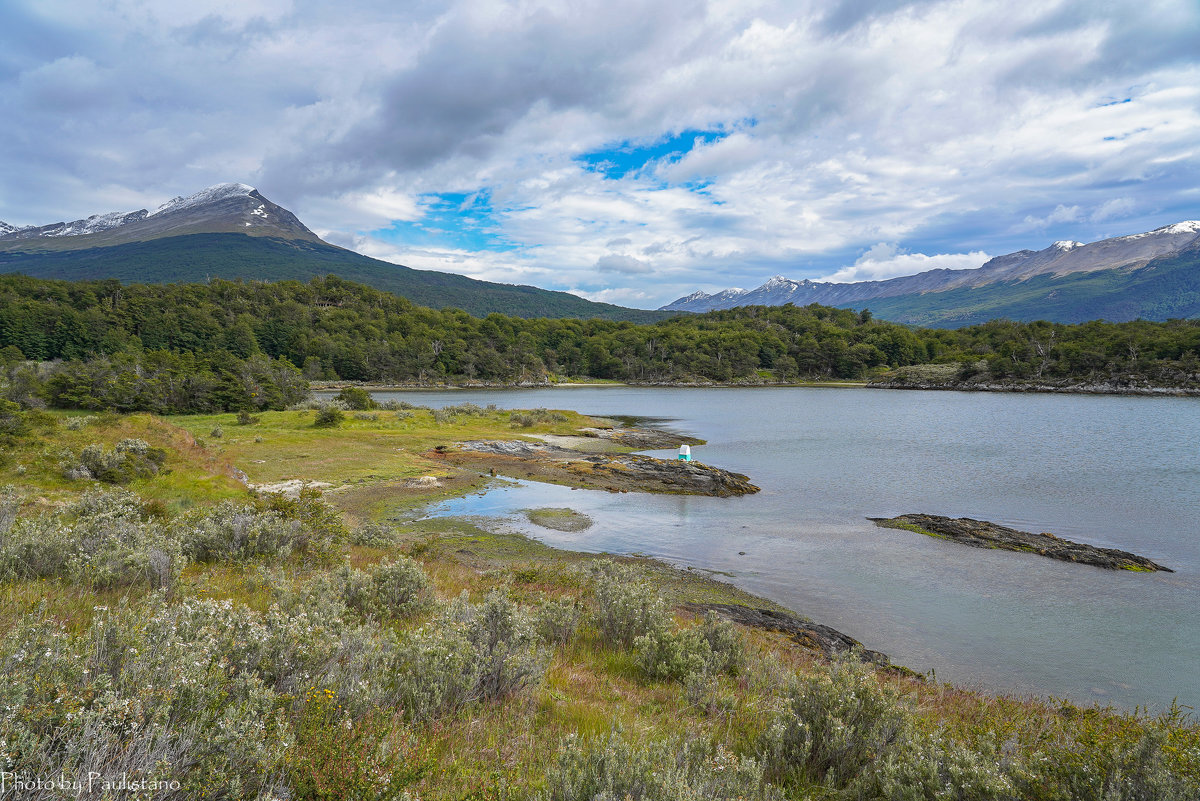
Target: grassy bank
x=176 y=628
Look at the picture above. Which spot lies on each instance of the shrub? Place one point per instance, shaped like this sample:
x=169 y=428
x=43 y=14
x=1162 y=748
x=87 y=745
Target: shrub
x=216 y=433
x=395 y=405
x=232 y=532
x=533 y=416
x=669 y=653
x=10 y=505
x=728 y=653
x=469 y=652
x=207 y=693
x=938 y=769
x=103 y=540
x=400 y=588
x=691 y=770
x=666 y=652
x=329 y=417
x=557 y=620
x=336 y=758
x=373 y=535
x=834 y=724
x=626 y=607
x=1098 y=754
x=356 y=399
x=244 y=418
x=128 y=460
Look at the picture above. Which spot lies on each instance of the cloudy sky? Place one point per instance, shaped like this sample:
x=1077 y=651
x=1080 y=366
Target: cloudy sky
x=627 y=151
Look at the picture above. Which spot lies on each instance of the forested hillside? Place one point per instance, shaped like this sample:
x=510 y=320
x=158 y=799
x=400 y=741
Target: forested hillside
x=333 y=329
x=199 y=257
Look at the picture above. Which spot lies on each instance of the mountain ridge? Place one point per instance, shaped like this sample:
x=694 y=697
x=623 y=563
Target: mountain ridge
x=1063 y=261
x=232 y=231
x=228 y=208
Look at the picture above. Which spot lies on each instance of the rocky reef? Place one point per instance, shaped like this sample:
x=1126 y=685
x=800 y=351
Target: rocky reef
x=982 y=534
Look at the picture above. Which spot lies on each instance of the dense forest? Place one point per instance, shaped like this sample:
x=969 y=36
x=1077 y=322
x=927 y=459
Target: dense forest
x=249 y=345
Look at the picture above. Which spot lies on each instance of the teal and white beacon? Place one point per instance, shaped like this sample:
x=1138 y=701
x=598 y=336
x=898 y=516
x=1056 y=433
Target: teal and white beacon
x=685 y=453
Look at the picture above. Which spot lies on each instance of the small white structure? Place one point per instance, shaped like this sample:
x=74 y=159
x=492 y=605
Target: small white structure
x=685 y=453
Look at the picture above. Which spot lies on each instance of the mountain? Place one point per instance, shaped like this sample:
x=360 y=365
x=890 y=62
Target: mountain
x=231 y=231
x=1153 y=276
x=224 y=208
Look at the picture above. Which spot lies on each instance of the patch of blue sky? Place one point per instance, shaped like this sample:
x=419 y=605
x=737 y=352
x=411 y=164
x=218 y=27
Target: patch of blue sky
x=626 y=157
x=454 y=220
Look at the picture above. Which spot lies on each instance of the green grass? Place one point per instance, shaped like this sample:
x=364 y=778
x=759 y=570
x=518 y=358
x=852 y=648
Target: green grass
x=591 y=685
x=559 y=519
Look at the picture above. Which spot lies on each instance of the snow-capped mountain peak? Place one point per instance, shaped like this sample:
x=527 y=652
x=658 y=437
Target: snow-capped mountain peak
x=1066 y=244
x=778 y=282
x=223 y=208
x=212 y=194
x=5 y=228
x=1185 y=227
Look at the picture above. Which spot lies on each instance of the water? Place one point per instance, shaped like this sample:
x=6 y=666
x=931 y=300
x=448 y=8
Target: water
x=1111 y=471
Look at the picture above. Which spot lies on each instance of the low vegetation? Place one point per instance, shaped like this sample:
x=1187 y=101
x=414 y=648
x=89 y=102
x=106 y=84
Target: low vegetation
x=217 y=644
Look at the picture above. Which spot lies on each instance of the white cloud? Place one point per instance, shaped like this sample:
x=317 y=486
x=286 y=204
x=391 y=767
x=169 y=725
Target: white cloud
x=1114 y=209
x=943 y=127
x=1061 y=214
x=883 y=261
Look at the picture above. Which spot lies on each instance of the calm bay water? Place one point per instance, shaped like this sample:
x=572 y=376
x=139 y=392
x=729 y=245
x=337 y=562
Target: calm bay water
x=1112 y=471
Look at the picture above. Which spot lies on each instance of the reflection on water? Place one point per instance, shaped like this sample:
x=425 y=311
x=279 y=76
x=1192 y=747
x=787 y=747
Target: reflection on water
x=1112 y=471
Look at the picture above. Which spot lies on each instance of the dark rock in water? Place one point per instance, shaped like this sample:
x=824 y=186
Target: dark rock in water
x=673 y=475
x=805 y=633
x=982 y=534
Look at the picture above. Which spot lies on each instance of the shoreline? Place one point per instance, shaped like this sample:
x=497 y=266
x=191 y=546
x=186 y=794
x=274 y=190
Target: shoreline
x=1036 y=389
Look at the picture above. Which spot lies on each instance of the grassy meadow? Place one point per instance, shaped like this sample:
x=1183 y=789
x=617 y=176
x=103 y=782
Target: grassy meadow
x=161 y=623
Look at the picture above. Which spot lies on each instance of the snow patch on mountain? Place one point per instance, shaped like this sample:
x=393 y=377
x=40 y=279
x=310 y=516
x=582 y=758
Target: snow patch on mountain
x=1184 y=227
x=5 y=228
x=97 y=223
x=1066 y=244
x=212 y=194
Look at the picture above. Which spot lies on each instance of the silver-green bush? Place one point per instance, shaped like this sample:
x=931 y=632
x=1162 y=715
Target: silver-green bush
x=103 y=540
x=612 y=769
x=626 y=606
x=468 y=652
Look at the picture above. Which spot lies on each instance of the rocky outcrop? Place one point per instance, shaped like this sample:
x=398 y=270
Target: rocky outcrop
x=618 y=472
x=671 y=475
x=640 y=438
x=982 y=534
x=804 y=633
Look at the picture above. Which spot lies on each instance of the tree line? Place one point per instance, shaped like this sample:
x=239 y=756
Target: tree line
x=232 y=344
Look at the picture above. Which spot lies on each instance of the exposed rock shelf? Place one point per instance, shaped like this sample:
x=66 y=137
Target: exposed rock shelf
x=805 y=633
x=618 y=472
x=982 y=534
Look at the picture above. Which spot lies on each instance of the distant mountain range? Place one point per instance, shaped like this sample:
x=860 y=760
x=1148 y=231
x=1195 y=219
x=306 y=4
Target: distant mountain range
x=1152 y=276
x=231 y=231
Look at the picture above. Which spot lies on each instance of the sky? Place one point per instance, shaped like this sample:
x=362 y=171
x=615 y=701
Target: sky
x=630 y=152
